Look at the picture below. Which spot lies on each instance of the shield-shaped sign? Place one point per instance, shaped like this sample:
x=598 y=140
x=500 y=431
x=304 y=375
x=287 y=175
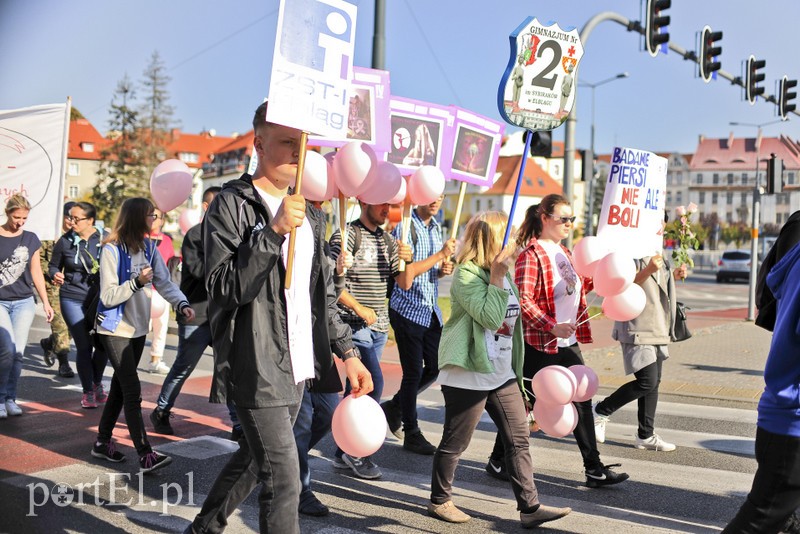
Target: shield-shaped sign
x=537 y=90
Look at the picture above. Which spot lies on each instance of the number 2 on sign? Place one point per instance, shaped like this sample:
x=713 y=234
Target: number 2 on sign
x=541 y=79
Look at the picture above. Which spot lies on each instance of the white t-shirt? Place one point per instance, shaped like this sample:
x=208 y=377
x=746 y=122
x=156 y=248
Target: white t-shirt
x=298 y=296
x=566 y=288
x=498 y=348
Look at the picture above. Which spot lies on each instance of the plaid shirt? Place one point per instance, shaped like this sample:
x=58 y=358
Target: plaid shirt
x=421 y=301
x=534 y=278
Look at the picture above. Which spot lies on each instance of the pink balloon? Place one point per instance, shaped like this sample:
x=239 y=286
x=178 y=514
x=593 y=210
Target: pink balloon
x=400 y=197
x=555 y=420
x=352 y=165
x=554 y=384
x=188 y=219
x=613 y=274
x=157 y=305
x=316 y=184
x=332 y=188
x=426 y=185
x=384 y=186
x=170 y=184
x=626 y=305
x=587 y=253
x=587 y=382
x=359 y=426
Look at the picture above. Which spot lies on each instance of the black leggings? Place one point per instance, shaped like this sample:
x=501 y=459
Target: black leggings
x=645 y=390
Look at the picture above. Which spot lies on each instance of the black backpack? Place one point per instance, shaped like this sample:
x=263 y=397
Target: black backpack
x=389 y=240
x=766 y=303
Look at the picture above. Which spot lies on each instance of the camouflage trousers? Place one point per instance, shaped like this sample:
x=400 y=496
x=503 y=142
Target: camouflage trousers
x=60 y=332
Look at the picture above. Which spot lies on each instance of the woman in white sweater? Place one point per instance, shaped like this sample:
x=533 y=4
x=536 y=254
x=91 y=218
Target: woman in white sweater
x=129 y=265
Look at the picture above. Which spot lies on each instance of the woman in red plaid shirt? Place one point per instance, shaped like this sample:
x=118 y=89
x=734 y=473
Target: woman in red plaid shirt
x=554 y=320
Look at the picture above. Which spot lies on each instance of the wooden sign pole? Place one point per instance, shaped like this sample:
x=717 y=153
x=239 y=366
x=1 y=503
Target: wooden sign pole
x=301 y=163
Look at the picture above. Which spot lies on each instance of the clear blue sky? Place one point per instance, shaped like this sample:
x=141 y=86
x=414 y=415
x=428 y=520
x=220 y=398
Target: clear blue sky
x=219 y=56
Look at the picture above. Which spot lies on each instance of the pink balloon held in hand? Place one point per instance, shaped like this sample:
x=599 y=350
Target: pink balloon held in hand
x=626 y=305
x=384 y=186
x=170 y=184
x=587 y=381
x=555 y=420
x=587 y=254
x=613 y=274
x=359 y=426
x=352 y=166
x=316 y=186
x=426 y=185
x=554 y=384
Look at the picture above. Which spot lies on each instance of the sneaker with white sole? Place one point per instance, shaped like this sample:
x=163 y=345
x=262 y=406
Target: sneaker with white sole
x=158 y=368
x=654 y=443
x=599 y=425
x=3 y=412
x=100 y=395
x=604 y=476
x=12 y=408
x=362 y=467
x=107 y=451
x=88 y=402
x=152 y=461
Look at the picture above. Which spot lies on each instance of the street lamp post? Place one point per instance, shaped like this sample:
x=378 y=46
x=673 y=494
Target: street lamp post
x=590 y=179
x=751 y=301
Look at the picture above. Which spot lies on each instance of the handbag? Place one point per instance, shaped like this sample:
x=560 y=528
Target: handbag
x=681 y=329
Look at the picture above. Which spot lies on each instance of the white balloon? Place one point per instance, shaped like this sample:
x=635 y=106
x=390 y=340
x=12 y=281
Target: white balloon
x=188 y=219
x=613 y=274
x=626 y=305
x=587 y=253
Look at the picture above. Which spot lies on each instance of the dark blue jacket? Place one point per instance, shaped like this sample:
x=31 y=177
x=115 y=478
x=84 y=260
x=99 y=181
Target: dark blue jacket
x=76 y=258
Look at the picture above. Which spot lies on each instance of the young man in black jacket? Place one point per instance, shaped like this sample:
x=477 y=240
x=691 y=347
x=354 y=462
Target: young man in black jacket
x=268 y=339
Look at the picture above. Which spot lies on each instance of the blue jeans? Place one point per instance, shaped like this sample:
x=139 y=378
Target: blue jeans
x=16 y=317
x=192 y=342
x=312 y=424
x=370 y=344
x=90 y=360
x=266 y=455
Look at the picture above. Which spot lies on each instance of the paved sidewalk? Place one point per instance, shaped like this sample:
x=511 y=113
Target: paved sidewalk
x=724 y=358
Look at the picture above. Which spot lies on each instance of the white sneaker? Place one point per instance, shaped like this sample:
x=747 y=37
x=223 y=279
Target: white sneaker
x=3 y=412
x=158 y=368
x=654 y=443
x=12 y=408
x=599 y=425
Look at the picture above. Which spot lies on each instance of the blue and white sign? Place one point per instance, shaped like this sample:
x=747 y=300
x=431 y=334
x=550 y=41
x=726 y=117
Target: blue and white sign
x=312 y=66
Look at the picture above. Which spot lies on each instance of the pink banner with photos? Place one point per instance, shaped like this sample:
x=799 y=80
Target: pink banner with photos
x=476 y=147
x=422 y=134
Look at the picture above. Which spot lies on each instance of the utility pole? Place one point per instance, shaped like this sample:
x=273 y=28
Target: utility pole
x=379 y=36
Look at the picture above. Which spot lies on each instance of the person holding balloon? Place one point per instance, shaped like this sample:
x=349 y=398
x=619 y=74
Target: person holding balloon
x=270 y=337
x=481 y=366
x=554 y=319
x=644 y=341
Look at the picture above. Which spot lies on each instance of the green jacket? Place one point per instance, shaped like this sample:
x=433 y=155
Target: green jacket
x=476 y=305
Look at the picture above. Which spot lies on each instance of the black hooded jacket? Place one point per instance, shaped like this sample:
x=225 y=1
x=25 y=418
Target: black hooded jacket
x=247 y=308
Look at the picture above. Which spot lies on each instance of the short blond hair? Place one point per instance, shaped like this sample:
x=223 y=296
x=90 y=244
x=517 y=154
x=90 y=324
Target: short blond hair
x=17 y=202
x=483 y=238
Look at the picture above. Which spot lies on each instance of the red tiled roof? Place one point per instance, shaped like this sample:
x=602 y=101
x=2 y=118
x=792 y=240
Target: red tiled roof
x=740 y=154
x=243 y=141
x=536 y=182
x=82 y=132
x=204 y=145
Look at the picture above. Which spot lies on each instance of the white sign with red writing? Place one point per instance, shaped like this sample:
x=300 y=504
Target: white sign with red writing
x=633 y=206
x=312 y=66
x=32 y=157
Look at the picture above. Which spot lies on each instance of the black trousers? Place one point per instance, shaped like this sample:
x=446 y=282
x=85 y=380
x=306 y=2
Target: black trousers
x=584 y=432
x=645 y=390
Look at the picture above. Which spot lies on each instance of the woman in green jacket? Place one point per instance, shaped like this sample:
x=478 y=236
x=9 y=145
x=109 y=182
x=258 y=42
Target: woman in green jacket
x=480 y=363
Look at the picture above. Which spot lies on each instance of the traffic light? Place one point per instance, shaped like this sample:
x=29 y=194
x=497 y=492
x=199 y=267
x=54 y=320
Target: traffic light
x=655 y=25
x=587 y=165
x=753 y=77
x=709 y=53
x=774 y=175
x=785 y=98
x=541 y=143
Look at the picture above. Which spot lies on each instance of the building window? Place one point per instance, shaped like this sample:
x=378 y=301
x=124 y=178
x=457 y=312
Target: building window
x=189 y=157
x=730 y=178
x=477 y=205
x=74 y=168
x=714 y=198
x=74 y=191
x=715 y=179
x=790 y=178
x=680 y=178
x=490 y=203
x=678 y=197
x=782 y=198
x=699 y=179
x=729 y=197
x=87 y=147
x=702 y=198
x=744 y=178
x=669 y=197
x=556 y=170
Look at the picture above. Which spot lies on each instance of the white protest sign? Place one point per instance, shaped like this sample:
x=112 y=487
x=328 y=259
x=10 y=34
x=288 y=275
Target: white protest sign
x=32 y=159
x=312 y=66
x=633 y=206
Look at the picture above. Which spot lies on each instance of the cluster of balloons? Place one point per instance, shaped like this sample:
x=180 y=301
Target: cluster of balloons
x=355 y=171
x=613 y=274
x=556 y=388
x=359 y=426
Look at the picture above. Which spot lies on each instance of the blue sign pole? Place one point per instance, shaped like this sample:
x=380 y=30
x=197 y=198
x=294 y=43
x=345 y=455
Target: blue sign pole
x=519 y=184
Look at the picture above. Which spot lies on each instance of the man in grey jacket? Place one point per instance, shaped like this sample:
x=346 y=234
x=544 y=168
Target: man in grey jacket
x=268 y=339
x=644 y=343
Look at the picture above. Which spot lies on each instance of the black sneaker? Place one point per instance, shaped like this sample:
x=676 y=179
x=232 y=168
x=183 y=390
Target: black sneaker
x=47 y=346
x=604 y=476
x=236 y=433
x=310 y=505
x=394 y=417
x=65 y=371
x=416 y=443
x=160 y=420
x=153 y=460
x=497 y=469
x=107 y=451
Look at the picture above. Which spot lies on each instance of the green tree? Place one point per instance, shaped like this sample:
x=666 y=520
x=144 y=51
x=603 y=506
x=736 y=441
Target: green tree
x=121 y=174
x=155 y=112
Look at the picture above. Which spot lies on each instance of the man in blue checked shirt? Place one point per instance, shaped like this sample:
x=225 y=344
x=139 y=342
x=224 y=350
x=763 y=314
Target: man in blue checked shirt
x=417 y=322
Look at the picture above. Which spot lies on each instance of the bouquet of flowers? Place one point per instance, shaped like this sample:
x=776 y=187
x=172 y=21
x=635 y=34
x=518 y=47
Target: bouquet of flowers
x=683 y=235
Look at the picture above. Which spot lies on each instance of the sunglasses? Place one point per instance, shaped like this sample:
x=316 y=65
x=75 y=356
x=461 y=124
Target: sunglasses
x=564 y=220
x=154 y=216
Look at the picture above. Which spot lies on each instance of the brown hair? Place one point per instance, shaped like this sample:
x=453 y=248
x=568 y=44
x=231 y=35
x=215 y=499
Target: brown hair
x=260 y=118
x=132 y=224
x=532 y=225
x=17 y=202
x=483 y=238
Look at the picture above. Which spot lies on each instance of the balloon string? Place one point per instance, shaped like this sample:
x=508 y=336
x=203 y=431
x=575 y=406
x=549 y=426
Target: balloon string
x=576 y=326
